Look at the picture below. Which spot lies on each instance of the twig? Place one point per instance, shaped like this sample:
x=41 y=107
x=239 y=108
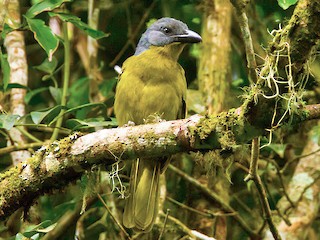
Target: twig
x=254 y=160
x=28 y=135
x=113 y=218
x=253 y=175
x=303 y=191
x=134 y=34
x=45 y=128
x=263 y=225
x=65 y=221
x=242 y=167
x=63 y=224
x=129 y=22
x=284 y=218
x=20 y=147
x=242 y=204
x=164 y=224
x=279 y=173
x=308 y=186
x=201 y=236
x=213 y=196
x=247 y=39
x=184 y=228
x=189 y=208
x=219 y=214
x=297 y=158
x=207 y=213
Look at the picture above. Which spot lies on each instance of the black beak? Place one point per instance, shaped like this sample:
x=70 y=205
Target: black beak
x=188 y=37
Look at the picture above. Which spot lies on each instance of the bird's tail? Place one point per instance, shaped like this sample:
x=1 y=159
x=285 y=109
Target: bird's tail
x=141 y=207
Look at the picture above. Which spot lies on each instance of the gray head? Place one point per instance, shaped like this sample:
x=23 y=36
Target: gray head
x=165 y=31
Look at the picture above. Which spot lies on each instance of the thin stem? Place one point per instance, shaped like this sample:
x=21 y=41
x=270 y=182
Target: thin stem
x=254 y=160
x=192 y=233
x=283 y=187
x=183 y=227
x=113 y=218
x=253 y=175
x=284 y=218
x=189 y=208
x=164 y=224
x=225 y=207
x=247 y=39
x=29 y=135
x=134 y=34
x=13 y=148
x=66 y=78
x=297 y=158
x=266 y=207
x=45 y=128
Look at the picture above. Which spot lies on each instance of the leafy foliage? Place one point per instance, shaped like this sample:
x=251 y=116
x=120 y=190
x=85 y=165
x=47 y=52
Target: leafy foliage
x=285 y=4
x=81 y=25
x=44 y=6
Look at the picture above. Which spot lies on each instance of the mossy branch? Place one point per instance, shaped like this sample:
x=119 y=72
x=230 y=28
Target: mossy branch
x=282 y=77
x=57 y=164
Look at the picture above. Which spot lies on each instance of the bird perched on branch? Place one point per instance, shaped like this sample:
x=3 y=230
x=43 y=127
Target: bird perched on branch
x=152 y=83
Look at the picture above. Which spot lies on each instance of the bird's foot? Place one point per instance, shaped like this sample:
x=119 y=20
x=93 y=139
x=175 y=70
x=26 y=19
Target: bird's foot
x=129 y=124
x=154 y=118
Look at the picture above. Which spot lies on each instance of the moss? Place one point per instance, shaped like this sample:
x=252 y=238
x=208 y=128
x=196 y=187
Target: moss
x=12 y=171
x=218 y=131
x=35 y=161
x=61 y=149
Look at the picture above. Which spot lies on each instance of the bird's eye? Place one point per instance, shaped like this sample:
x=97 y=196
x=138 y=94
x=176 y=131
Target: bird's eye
x=166 y=30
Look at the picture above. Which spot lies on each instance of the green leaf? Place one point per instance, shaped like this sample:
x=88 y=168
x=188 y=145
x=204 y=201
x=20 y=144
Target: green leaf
x=44 y=6
x=19 y=236
x=96 y=34
x=56 y=93
x=44 y=36
x=7 y=121
x=32 y=93
x=15 y=85
x=315 y=134
x=6 y=29
x=45 y=115
x=79 y=93
x=285 y=4
x=278 y=148
x=107 y=87
x=35 y=236
x=5 y=68
x=48 y=66
x=32 y=231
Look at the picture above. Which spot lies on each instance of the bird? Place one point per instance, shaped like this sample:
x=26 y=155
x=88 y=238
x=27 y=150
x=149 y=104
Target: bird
x=152 y=83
